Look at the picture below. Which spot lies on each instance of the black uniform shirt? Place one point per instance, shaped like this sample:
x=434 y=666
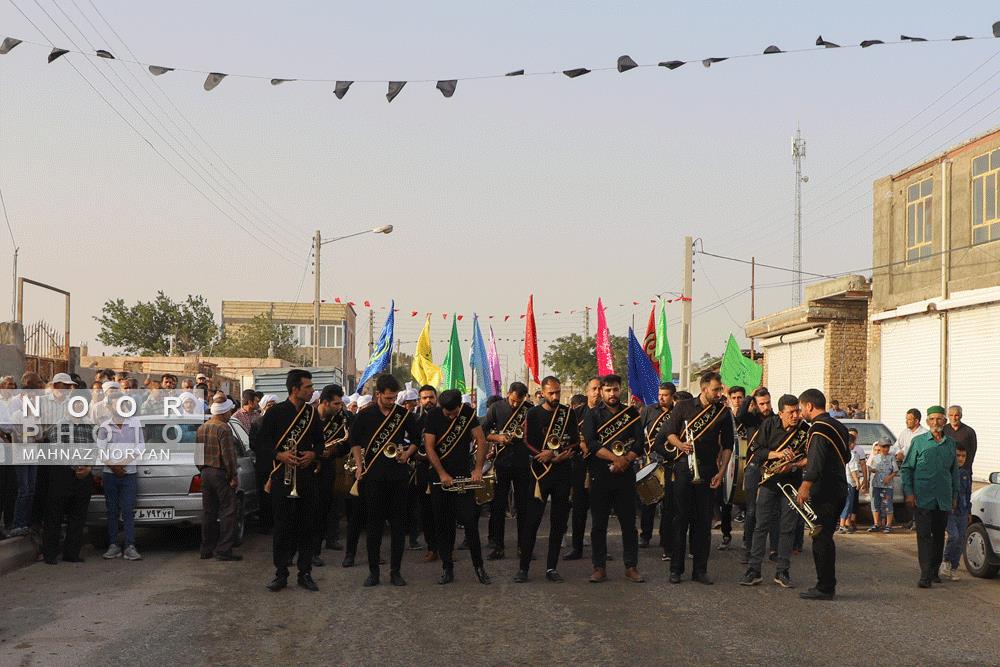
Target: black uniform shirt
x=538 y=426
x=515 y=454
x=827 y=460
x=273 y=424
x=718 y=437
x=752 y=422
x=378 y=466
x=769 y=438
x=650 y=414
x=457 y=462
x=599 y=468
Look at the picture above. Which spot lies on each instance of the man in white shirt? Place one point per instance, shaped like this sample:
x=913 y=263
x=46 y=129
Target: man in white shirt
x=912 y=430
x=122 y=439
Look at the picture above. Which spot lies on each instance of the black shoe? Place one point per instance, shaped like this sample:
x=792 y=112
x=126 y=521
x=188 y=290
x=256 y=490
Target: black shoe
x=782 y=579
x=51 y=561
x=643 y=542
x=521 y=577
x=481 y=575
x=291 y=561
x=554 y=577
x=318 y=562
x=447 y=577
x=277 y=584
x=665 y=557
x=381 y=561
x=77 y=559
x=206 y=556
x=740 y=517
x=335 y=546
x=609 y=557
x=813 y=594
x=464 y=546
x=227 y=556
x=415 y=545
x=773 y=556
x=572 y=555
x=726 y=540
x=306 y=582
x=372 y=580
x=396 y=579
x=935 y=579
x=751 y=578
x=924 y=583
x=496 y=554
x=675 y=577
x=348 y=561
x=702 y=578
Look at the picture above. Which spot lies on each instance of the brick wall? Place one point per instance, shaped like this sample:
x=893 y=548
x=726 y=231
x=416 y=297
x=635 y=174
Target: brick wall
x=846 y=362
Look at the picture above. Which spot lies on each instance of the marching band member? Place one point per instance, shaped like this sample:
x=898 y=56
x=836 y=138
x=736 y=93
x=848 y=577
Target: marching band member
x=336 y=422
x=511 y=462
x=580 y=496
x=426 y=400
x=654 y=419
x=754 y=414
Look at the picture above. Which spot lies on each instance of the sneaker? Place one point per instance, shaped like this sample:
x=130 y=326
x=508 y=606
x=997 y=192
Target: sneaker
x=782 y=579
x=887 y=529
x=873 y=529
x=18 y=532
x=953 y=575
x=852 y=529
x=114 y=551
x=131 y=553
x=842 y=530
x=751 y=578
x=665 y=557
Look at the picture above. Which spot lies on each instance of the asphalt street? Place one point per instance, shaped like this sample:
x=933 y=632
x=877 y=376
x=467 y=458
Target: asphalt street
x=173 y=608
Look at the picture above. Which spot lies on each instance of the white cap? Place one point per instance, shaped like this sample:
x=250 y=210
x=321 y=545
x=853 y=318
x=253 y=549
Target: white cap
x=62 y=378
x=410 y=395
x=363 y=401
x=200 y=376
x=353 y=398
x=467 y=398
x=314 y=398
x=110 y=384
x=268 y=398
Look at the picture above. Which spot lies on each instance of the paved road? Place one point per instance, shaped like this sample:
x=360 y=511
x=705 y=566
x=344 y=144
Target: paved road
x=172 y=607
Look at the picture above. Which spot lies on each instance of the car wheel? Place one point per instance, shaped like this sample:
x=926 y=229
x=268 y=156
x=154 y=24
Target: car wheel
x=241 y=521
x=979 y=557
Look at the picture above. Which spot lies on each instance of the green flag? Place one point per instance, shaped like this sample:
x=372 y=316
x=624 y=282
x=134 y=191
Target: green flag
x=452 y=371
x=663 y=347
x=737 y=370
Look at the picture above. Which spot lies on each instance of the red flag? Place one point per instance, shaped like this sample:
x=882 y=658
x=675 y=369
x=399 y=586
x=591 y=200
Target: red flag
x=605 y=358
x=531 y=340
x=460 y=317
x=444 y=316
x=413 y=313
x=336 y=299
x=635 y=303
x=506 y=317
x=649 y=342
x=350 y=303
x=368 y=304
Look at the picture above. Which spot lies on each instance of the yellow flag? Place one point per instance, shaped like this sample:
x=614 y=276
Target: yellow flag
x=423 y=369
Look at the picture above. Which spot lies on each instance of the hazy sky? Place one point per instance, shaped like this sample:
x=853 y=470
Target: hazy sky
x=570 y=189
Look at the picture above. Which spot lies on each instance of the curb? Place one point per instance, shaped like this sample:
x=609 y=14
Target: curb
x=16 y=552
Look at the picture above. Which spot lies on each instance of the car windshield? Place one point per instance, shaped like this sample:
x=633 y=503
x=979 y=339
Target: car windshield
x=869 y=432
x=180 y=437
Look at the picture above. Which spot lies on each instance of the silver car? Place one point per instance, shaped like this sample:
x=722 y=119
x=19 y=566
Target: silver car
x=869 y=431
x=170 y=494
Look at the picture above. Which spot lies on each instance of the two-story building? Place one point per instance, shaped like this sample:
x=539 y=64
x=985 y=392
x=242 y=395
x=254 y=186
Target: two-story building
x=336 y=330
x=935 y=305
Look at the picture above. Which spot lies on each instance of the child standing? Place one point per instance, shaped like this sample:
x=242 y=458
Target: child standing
x=958 y=518
x=883 y=469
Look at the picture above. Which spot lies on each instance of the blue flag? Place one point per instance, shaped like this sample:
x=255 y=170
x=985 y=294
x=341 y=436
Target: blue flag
x=480 y=365
x=643 y=380
x=382 y=353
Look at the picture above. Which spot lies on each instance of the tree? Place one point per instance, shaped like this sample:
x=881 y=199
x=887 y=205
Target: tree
x=573 y=358
x=146 y=327
x=401 y=363
x=255 y=338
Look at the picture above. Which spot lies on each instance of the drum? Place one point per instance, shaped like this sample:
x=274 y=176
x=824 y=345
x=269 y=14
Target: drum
x=484 y=494
x=648 y=484
x=341 y=481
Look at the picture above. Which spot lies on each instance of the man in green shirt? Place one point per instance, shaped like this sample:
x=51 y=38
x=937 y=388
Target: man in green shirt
x=930 y=484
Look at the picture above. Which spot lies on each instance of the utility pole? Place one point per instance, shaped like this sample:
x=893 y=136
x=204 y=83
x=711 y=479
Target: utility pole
x=317 y=243
x=586 y=322
x=753 y=296
x=371 y=332
x=688 y=282
x=798 y=153
x=13 y=297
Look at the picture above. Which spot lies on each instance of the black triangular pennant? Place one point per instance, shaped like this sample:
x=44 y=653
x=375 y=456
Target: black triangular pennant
x=157 y=70
x=341 y=89
x=278 y=82
x=8 y=44
x=996 y=29
x=772 y=49
x=101 y=53
x=908 y=38
x=871 y=42
x=625 y=63
x=214 y=79
x=56 y=52
x=394 y=88
x=960 y=38
x=573 y=73
x=447 y=86
x=671 y=64
x=517 y=72
x=708 y=62
x=825 y=44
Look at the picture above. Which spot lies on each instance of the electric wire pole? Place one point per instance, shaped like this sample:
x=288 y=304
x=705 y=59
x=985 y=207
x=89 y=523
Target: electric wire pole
x=798 y=153
x=688 y=282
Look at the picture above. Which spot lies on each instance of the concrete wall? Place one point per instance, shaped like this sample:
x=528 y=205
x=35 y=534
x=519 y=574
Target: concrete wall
x=11 y=349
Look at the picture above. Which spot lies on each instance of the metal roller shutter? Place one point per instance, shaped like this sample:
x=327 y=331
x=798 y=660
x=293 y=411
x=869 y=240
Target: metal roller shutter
x=795 y=365
x=974 y=358
x=779 y=373
x=911 y=362
x=807 y=365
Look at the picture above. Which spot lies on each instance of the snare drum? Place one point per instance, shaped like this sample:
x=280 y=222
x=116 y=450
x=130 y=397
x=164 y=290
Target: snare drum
x=648 y=484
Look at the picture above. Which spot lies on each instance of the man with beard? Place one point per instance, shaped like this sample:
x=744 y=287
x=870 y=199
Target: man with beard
x=580 y=494
x=654 y=419
x=336 y=424
x=754 y=413
x=503 y=425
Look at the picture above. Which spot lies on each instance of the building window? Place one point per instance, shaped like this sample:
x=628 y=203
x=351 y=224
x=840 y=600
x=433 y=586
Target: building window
x=919 y=232
x=301 y=333
x=331 y=335
x=985 y=211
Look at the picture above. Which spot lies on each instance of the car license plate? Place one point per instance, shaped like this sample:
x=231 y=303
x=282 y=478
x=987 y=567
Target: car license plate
x=153 y=513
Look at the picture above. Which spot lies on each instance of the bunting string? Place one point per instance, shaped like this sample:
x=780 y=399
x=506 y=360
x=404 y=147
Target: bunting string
x=448 y=86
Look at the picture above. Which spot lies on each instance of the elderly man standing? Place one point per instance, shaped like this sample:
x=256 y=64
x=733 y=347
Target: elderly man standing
x=962 y=434
x=930 y=484
x=218 y=484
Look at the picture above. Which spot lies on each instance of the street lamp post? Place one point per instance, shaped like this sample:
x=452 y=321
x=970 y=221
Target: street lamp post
x=318 y=243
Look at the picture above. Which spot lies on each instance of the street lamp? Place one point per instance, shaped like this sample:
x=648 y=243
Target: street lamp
x=318 y=243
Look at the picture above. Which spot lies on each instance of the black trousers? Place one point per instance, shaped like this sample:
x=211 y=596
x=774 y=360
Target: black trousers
x=931 y=526
x=294 y=530
x=337 y=511
x=355 y=508
x=385 y=500
x=413 y=510
x=647 y=517
x=824 y=550
x=619 y=495
x=8 y=494
x=524 y=486
x=693 y=512
x=451 y=508
x=725 y=511
x=67 y=497
x=324 y=503
x=265 y=515
x=555 y=490
x=580 y=497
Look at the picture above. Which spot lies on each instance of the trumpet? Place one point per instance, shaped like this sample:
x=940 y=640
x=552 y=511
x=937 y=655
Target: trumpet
x=350 y=466
x=333 y=444
x=772 y=467
x=517 y=433
x=292 y=474
x=462 y=484
x=392 y=450
x=619 y=448
x=805 y=510
x=692 y=457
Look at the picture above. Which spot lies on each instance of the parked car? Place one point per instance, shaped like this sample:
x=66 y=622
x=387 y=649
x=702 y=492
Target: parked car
x=982 y=538
x=170 y=494
x=870 y=431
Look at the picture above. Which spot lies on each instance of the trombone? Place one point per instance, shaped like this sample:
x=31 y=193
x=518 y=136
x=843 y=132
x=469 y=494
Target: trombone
x=805 y=510
x=692 y=457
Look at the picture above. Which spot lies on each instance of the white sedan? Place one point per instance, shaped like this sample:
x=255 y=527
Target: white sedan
x=982 y=539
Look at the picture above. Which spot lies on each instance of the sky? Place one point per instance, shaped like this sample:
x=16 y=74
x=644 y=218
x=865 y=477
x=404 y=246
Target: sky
x=568 y=189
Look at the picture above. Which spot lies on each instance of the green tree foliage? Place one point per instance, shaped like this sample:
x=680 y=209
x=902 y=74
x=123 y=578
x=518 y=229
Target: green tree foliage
x=401 y=363
x=146 y=327
x=255 y=337
x=573 y=358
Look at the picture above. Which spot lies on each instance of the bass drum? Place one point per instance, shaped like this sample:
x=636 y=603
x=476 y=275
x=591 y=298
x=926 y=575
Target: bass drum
x=648 y=484
x=738 y=494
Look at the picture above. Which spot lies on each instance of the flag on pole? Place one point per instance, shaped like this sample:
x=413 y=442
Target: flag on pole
x=494 y=359
x=531 y=340
x=381 y=354
x=480 y=365
x=737 y=370
x=452 y=369
x=423 y=369
x=663 y=347
x=649 y=342
x=642 y=378
x=605 y=358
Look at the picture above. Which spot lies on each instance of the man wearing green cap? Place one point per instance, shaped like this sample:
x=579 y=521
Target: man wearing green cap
x=930 y=484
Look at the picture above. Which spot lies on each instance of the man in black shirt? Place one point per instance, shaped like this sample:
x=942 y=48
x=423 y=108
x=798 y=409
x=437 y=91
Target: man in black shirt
x=378 y=437
x=551 y=436
x=777 y=442
x=703 y=426
x=427 y=399
x=449 y=430
x=293 y=433
x=580 y=495
x=607 y=428
x=754 y=413
x=510 y=462
x=336 y=422
x=654 y=419
x=824 y=487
